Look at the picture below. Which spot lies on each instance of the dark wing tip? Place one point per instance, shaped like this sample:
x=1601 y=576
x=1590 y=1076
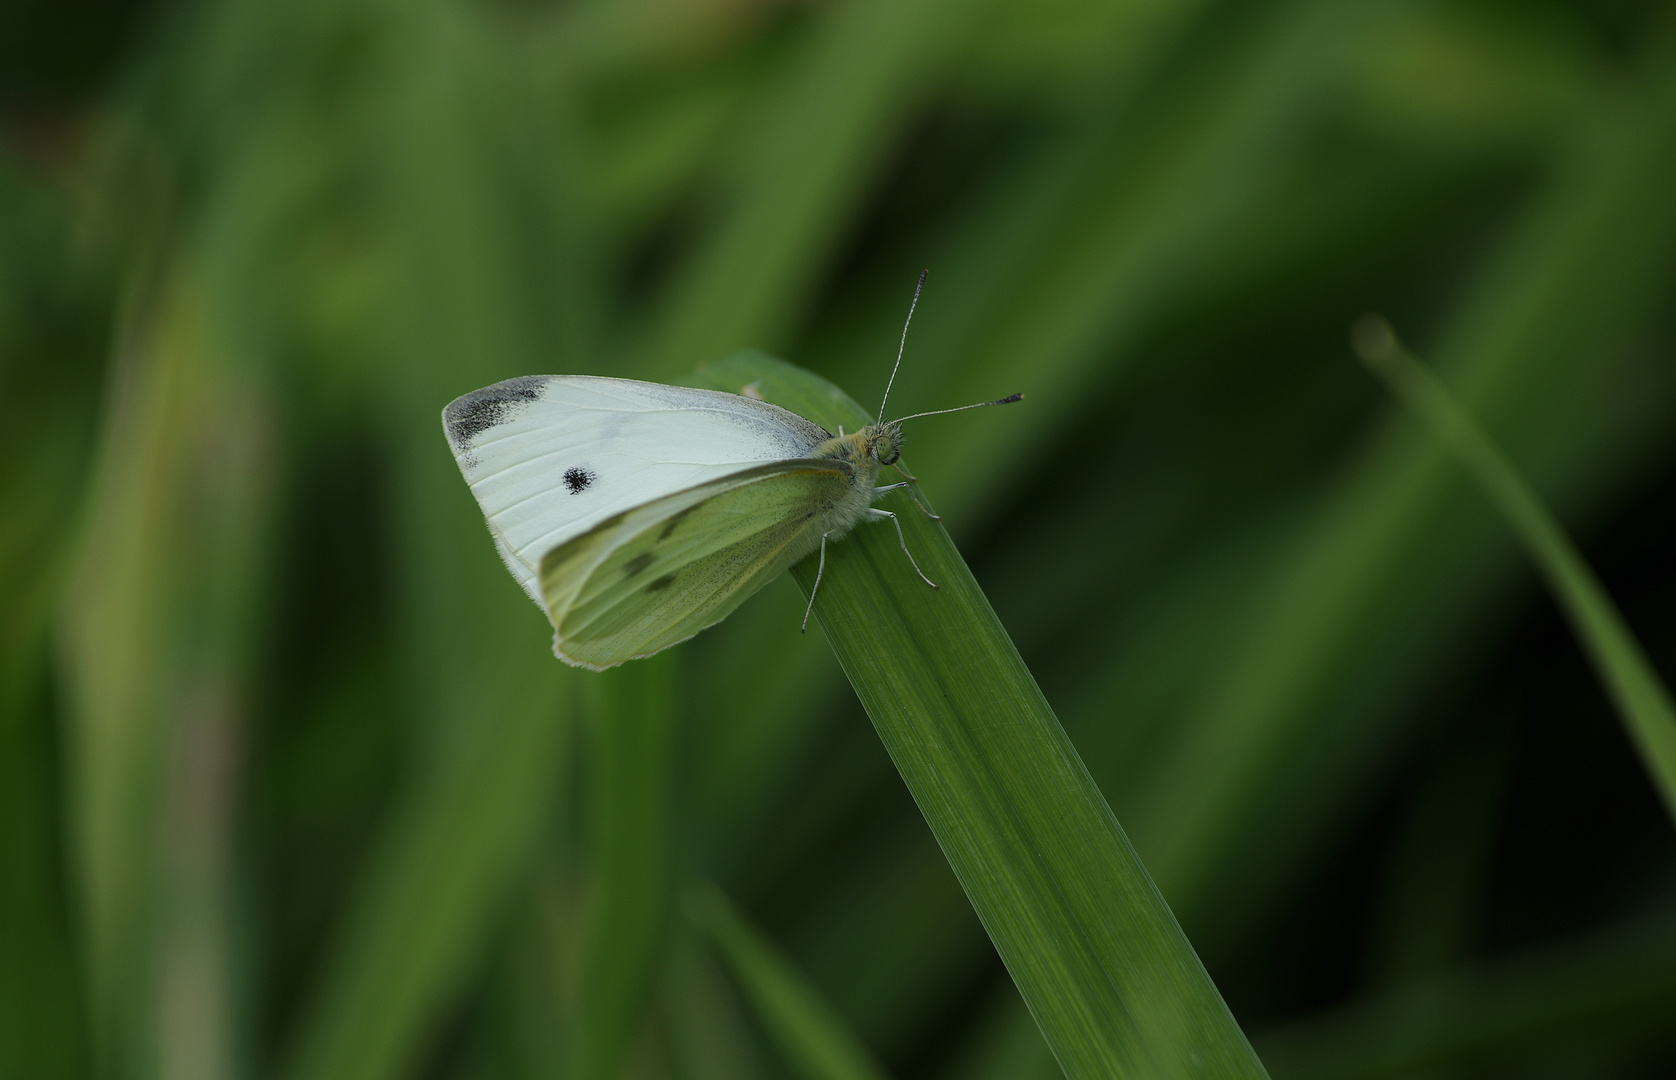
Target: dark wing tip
x=469 y=415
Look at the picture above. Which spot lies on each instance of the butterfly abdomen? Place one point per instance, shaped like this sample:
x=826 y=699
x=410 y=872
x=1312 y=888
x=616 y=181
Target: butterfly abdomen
x=848 y=507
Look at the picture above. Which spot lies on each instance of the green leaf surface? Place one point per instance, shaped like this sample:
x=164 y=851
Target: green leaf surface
x=1097 y=956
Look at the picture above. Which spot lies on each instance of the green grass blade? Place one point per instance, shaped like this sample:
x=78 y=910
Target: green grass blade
x=630 y=735
x=1642 y=700
x=1109 y=976
x=809 y=1031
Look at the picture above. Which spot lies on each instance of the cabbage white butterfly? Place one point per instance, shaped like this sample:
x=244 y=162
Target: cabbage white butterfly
x=637 y=514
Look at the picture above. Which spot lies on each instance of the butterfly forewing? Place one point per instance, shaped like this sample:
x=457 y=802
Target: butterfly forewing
x=662 y=572
x=550 y=457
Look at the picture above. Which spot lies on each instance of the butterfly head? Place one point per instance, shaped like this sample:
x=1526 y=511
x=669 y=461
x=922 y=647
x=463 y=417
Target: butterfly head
x=867 y=449
x=884 y=442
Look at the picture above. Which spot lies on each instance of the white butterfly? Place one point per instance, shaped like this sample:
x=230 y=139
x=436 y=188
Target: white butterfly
x=638 y=514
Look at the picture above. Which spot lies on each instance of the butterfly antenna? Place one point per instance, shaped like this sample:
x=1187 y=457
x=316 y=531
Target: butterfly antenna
x=904 y=343
x=1008 y=400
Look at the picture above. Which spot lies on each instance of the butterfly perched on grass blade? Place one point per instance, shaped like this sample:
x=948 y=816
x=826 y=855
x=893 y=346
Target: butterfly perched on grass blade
x=637 y=514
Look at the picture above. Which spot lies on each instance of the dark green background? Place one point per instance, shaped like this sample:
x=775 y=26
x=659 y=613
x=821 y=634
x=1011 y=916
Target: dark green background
x=290 y=785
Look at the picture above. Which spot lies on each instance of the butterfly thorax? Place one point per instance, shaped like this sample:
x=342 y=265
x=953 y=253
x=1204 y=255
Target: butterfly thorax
x=866 y=451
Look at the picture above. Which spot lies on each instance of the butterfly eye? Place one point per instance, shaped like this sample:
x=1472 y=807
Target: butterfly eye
x=886 y=450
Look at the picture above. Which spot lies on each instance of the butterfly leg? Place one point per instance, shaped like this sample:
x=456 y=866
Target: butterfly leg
x=912 y=495
x=876 y=514
x=819 y=570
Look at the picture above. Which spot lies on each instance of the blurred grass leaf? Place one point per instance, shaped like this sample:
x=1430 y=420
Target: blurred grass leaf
x=157 y=636
x=1259 y=750
x=490 y=710
x=838 y=108
x=45 y=444
x=810 y=1033
x=1642 y=700
x=1525 y=1007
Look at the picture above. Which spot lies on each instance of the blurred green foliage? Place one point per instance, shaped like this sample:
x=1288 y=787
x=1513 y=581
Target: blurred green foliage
x=290 y=784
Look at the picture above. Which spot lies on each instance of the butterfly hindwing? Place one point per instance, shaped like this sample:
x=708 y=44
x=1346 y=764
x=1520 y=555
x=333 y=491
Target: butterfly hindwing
x=661 y=572
x=551 y=457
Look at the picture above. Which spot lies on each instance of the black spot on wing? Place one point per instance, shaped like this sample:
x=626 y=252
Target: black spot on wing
x=637 y=564
x=661 y=583
x=469 y=416
x=674 y=520
x=577 y=479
